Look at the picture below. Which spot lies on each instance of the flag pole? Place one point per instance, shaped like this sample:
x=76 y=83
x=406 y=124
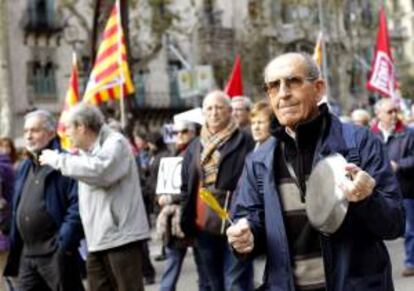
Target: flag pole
x=325 y=72
x=121 y=84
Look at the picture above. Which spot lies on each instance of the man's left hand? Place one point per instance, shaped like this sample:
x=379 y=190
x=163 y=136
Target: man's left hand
x=49 y=157
x=361 y=185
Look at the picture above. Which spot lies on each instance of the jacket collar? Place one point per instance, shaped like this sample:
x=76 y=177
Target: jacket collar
x=264 y=154
x=332 y=142
x=399 y=127
x=103 y=134
x=306 y=132
x=232 y=144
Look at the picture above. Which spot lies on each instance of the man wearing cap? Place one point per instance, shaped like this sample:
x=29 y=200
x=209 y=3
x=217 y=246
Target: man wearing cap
x=270 y=214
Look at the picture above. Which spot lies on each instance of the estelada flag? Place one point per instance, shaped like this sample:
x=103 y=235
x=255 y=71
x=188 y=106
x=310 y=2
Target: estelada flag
x=317 y=53
x=234 y=85
x=382 y=73
x=110 y=70
x=71 y=99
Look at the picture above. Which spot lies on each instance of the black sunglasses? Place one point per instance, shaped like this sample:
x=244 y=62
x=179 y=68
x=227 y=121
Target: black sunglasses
x=391 y=111
x=183 y=131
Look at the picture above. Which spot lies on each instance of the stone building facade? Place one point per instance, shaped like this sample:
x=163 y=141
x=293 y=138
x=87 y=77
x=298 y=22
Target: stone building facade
x=166 y=36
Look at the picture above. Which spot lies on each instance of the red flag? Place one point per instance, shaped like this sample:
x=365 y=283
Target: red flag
x=382 y=73
x=234 y=85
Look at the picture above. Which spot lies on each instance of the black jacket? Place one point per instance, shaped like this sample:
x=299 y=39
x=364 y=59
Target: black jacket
x=233 y=154
x=400 y=148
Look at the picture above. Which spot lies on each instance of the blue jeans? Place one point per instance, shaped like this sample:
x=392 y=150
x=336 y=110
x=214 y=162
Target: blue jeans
x=409 y=233
x=223 y=270
x=172 y=269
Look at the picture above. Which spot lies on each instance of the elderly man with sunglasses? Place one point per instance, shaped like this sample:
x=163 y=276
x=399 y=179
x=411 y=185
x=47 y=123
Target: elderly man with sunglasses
x=269 y=212
x=399 y=142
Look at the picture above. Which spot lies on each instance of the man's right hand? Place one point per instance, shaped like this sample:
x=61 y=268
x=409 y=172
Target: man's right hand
x=240 y=237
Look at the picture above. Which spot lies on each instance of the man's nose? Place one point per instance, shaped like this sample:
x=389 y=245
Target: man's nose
x=283 y=89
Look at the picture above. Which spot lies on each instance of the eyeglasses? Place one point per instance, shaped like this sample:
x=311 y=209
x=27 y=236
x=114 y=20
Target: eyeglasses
x=391 y=111
x=292 y=83
x=183 y=131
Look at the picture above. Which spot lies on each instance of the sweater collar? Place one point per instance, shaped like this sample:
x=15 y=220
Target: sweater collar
x=307 y=132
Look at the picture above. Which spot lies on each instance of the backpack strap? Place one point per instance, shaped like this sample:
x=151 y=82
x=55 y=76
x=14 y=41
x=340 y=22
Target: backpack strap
x=348 y=134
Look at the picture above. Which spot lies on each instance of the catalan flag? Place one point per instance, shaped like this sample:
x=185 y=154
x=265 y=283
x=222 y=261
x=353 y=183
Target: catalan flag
x=110 y=71
x=71 y=99
x=317 y=54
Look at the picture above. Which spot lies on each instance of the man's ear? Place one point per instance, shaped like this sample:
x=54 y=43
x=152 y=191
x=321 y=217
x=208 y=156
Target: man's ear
x=320 y=87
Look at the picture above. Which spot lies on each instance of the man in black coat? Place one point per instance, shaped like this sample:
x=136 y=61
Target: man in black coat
x=215 y=161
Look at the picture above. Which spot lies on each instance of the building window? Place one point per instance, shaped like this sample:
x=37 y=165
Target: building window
x=41 y=80
x=40 y=15
x=140 y=90
x=175 y=99
x=255 y=9
x=288 y=13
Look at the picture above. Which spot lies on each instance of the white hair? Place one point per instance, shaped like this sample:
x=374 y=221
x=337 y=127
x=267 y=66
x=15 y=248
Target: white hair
x=220 y=95
x=247 y=102
x=311 y=68
x=49 y=121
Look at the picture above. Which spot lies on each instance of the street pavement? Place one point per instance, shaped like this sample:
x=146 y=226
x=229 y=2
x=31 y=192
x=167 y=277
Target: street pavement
x=188 y=278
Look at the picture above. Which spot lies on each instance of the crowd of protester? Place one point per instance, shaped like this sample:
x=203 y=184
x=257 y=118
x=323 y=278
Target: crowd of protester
x=82 y=219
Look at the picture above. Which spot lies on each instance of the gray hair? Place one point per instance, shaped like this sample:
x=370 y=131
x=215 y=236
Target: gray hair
x=221 y=95
x=311 y=68
x=88 y=115
x=49 y=121
x=359 y=112
x=246 y=101
x=378 y=105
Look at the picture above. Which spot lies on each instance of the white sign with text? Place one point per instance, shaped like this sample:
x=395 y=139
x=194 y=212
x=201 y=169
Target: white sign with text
x=169 y=176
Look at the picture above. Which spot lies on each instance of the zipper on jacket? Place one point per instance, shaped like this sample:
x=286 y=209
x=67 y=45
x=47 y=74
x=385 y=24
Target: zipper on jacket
x=226 y=206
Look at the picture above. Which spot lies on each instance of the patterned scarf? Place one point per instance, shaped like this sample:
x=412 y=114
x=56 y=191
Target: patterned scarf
x=210 y=156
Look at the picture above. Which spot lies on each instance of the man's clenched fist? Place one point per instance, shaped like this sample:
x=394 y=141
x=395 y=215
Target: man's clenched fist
x=240 y=236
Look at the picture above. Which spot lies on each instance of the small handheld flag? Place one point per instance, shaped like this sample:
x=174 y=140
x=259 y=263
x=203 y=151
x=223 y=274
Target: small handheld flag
x=212 y=202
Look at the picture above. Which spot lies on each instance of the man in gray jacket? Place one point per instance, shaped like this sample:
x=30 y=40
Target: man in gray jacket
x=110 y=201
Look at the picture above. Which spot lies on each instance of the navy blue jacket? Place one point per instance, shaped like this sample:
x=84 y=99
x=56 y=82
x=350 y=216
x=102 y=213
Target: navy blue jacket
x=355 y=257
x=61 y=201
x=400 y=148
x=233 y=154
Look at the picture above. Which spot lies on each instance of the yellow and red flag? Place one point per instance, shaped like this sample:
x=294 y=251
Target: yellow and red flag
x=317 y=53
x=71 y=99
x=110 y=78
